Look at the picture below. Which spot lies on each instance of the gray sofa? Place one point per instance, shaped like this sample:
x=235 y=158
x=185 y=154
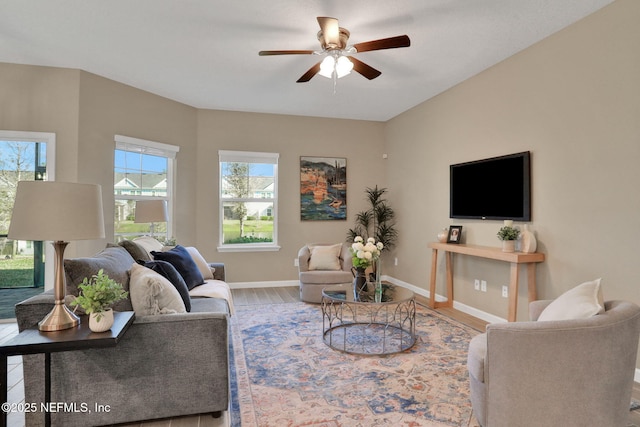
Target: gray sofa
x=556 y=373
x=164 y=366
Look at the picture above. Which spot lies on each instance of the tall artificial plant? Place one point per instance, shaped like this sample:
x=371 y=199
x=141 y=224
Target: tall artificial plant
x=377 y=221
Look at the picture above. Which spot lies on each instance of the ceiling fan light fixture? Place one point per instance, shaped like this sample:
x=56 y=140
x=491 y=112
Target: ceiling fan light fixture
x=343 y=66
x=327 y=66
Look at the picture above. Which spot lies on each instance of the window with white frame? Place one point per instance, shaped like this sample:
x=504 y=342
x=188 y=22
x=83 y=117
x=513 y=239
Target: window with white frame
x=248 y=201
x=143 y=170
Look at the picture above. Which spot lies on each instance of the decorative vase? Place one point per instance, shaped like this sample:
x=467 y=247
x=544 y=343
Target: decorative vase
x=508 y=246
x=359 y=280
x=442 y=236
x=378 y=282
x=528 y=242
x=104 y=324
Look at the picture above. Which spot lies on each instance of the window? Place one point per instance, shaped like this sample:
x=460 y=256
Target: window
x=143 y=170
x=248 y=201
x=24 y=156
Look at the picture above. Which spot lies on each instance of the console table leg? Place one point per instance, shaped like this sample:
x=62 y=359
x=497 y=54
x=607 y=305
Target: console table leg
x=531 y=282
x=449 y=302
x=513 y=293
x=432 y=283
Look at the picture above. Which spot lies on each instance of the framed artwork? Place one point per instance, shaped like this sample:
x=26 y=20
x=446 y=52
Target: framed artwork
x=323 y=188
x=455 y=233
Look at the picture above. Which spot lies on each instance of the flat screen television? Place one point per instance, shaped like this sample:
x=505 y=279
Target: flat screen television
x=496 y=188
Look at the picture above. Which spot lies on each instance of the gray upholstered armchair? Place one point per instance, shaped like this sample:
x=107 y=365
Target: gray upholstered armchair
x=330 y=271
x=556 y=373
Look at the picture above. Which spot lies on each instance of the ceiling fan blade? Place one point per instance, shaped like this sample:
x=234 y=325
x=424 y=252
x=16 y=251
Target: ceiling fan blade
x=285 y=52
x=309 y=74
x=364 y=69
x=330 y=31
x=388 y=43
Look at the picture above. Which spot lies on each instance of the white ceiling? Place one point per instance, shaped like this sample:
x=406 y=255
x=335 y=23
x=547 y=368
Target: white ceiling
x=204 y=53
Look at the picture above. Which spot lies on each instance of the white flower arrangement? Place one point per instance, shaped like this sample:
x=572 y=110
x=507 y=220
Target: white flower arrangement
x=365 y=254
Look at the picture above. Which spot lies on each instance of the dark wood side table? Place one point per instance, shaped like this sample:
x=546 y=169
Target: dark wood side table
x=33 y=341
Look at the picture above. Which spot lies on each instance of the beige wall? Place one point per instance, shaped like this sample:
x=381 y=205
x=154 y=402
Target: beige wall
x=359 y=142
x=573 y=100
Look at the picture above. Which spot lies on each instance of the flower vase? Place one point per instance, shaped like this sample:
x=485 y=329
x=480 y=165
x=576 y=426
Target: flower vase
x=359 y=280
x=101 y=322
x=528 y=243
x=378 y=282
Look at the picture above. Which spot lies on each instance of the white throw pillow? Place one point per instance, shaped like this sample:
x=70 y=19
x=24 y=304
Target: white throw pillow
x=581 y=302
x=204 y=268
x=153 y=294
x=325 y=257
x=149 y=244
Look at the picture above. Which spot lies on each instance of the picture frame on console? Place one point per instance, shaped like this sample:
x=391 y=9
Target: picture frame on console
x=455 y=234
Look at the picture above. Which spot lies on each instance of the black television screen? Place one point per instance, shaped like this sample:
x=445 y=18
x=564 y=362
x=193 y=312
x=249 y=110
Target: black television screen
x=495 y=188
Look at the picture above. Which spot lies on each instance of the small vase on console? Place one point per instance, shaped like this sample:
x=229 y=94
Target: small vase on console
x=528 y=242
x=359 y=280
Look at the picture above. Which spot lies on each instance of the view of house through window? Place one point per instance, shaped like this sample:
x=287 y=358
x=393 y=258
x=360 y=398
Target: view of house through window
x=248 y=200
x=23 y=157
x=143 y=170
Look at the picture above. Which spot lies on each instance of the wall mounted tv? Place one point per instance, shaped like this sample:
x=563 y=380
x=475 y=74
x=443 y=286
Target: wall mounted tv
x=496 y=188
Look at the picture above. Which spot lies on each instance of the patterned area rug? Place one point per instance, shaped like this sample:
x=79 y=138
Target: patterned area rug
x=286 y=375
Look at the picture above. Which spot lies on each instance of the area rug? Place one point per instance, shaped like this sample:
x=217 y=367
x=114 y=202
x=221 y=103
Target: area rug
x=286 y=376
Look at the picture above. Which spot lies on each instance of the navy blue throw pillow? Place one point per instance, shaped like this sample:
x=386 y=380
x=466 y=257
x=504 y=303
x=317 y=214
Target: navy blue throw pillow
x=170 y=273
x=182 y=261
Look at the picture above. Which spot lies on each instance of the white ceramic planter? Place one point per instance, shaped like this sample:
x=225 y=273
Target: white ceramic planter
x=508 y=246
x=104 y=324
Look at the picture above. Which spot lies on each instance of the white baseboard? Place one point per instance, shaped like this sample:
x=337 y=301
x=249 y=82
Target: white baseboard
x=270 y=284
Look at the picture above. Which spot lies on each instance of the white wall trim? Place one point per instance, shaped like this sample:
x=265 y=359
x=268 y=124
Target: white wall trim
x=270 y=284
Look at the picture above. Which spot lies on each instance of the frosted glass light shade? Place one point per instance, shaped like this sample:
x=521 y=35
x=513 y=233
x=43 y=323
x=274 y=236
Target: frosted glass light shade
x=327 y=66
x=57 y=211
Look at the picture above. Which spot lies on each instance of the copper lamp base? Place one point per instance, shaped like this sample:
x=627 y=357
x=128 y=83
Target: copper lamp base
x=60 y=317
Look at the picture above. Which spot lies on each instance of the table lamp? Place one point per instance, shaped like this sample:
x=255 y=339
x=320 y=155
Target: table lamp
x=57 y=212
x=151 y=211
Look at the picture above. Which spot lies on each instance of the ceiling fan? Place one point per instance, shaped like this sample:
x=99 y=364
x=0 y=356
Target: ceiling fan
x=338 y=61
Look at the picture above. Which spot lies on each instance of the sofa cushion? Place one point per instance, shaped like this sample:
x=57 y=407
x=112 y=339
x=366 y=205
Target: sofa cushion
x=325 y=257
x=136 y=251
x=319 y=277
x=183 y=262
x=152 y=294
x=205 y=269
x=149 y=244
x=170 y=273
x=581 y=302
x=115 y=261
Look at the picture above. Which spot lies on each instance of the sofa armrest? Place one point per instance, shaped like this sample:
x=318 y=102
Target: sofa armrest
x=219 y=274
x=303 y=258
x=536 y=308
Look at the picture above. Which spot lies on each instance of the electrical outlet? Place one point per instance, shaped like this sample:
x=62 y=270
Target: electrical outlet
x=476 y=285
x=483 y=286
x=505 y=291
x=395 y=261
x=296 y=263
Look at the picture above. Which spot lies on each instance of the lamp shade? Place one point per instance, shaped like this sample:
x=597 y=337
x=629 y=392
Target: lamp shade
x=151 y=211
x=50 y=210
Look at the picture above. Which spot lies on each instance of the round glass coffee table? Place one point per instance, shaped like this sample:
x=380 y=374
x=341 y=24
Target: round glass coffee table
x=353 y=322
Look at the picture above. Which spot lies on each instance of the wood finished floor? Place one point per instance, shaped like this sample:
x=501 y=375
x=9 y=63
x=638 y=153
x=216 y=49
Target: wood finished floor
x=241 y=297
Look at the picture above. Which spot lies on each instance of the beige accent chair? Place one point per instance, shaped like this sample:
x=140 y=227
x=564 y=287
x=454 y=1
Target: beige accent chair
x=313 y=281
x=556 y=373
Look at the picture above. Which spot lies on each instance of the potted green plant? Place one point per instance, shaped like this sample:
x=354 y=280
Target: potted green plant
x=508 y=235
x=97 y=294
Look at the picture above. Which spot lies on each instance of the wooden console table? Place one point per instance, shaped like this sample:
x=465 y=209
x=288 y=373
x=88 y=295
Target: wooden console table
x=515 y=258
